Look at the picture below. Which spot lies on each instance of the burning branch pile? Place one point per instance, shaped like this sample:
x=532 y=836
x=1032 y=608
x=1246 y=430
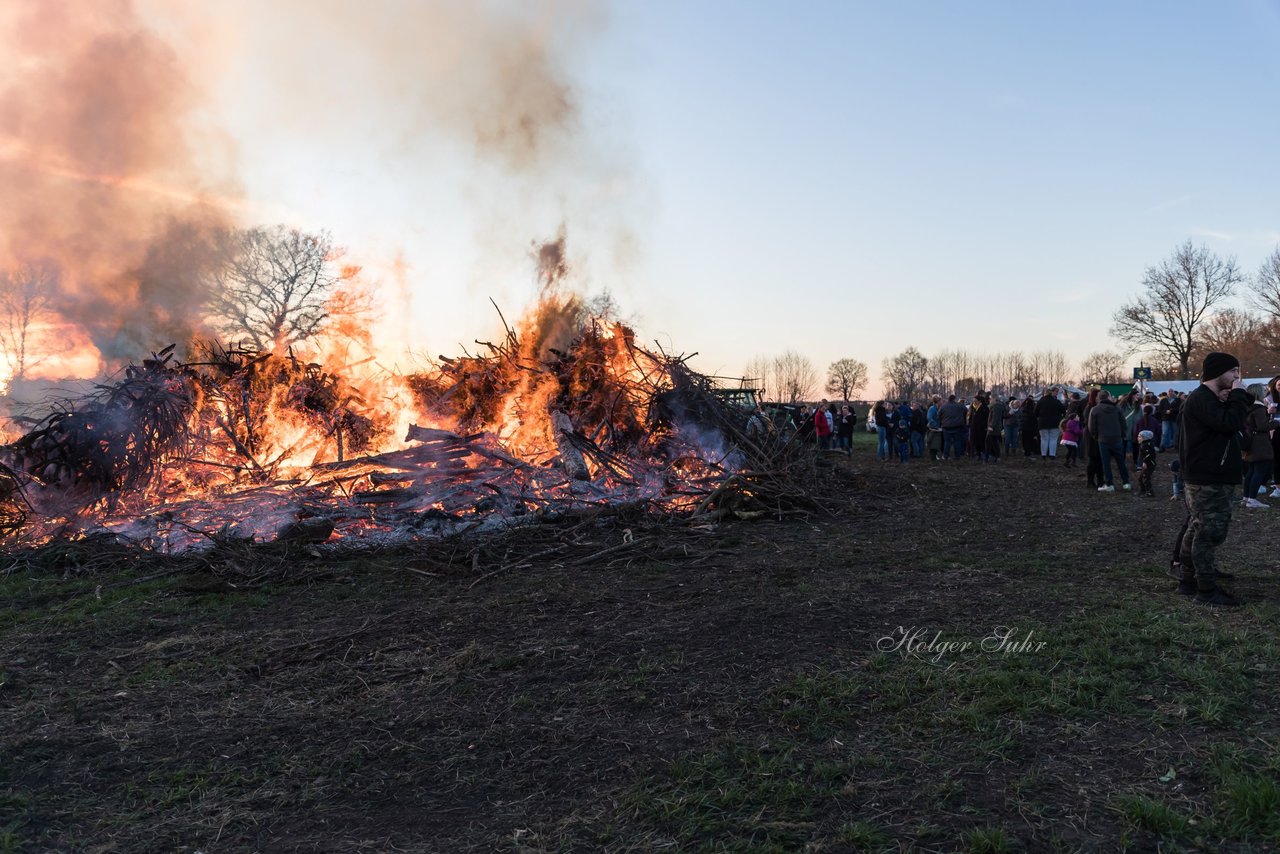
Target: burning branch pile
x=115 y=437
x=249 y=445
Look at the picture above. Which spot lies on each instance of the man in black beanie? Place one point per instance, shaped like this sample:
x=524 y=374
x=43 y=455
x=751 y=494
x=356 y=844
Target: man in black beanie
x=1211 y=468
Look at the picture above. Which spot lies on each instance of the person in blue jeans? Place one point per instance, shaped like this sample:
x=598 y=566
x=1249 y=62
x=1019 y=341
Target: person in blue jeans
x=882 y=416
x=952 y=417
x=1106 y=428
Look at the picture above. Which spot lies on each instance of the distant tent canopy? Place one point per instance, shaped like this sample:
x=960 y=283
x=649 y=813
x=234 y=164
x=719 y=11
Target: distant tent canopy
x=1180 y=386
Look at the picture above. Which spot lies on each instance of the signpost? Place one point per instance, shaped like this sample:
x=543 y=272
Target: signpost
x=1142 y=374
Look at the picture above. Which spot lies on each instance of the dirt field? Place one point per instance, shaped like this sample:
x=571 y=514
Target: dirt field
x=744 y=686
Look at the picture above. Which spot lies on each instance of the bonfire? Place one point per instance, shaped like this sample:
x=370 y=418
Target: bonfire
x=566 y=413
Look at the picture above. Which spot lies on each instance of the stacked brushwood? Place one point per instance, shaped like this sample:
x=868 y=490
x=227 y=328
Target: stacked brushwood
x=631 y=425
x=205 y=415
x=625 y=411
x=243 y=389
x=116 y=436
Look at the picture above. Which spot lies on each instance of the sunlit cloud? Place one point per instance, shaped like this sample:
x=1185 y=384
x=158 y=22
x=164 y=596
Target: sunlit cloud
x=1259 y=237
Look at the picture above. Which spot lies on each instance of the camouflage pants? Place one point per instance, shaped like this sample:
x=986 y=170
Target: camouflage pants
x=1210 y=509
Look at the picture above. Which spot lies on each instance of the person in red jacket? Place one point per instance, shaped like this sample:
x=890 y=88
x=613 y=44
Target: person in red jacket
x=822 y=426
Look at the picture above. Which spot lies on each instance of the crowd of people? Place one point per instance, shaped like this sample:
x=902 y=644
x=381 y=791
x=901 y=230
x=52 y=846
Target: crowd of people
x=1213 y=438
x=1122 y=442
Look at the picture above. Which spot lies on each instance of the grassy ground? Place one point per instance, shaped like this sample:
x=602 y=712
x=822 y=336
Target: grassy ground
x=967 y=658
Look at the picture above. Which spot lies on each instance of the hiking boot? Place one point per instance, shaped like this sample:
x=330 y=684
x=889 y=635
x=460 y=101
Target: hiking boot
x=1216 y=596
x=1175 y=571
x=1107 y=488
x=1187 y=588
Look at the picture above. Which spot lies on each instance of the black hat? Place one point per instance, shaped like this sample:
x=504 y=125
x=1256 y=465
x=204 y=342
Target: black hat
x=1217 y=364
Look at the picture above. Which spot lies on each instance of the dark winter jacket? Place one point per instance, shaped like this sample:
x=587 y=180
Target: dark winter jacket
x=951 y=416
x=979 y=416
x=1027 y=415
x=1258 y=425
x=845 y=424
x=1208 y=446
x=1049 y=413
x=1147 y=422
x=1106 y=424
x=998 y=413
x=919 y=423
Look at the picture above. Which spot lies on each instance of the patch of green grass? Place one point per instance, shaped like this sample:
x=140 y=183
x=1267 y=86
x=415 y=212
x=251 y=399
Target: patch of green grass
x=987 y=840
x=864 y=836
x=1253 y=804
x=17 y=810
x=739 y=795
x=1105 y=662
x=1150 y=815
x=1248 y=790
x=820 y=705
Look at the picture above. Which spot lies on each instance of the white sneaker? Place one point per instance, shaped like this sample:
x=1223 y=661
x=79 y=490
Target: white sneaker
x=1262 y=490
x=1255 y=504
x=1106 y=489
x=1276 y=492
x=1126 y=487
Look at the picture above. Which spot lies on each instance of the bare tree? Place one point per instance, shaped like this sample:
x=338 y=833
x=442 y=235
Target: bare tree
x=1048 y=367
x=845 y=377
x=1106 y=366
x=1178 y=293
x=1264 y=290
x=1248 y=337
x=26 y=302
x=903 y=373
x=795 y=377
x=759 y=370
x=274 y=289
x=604 y=306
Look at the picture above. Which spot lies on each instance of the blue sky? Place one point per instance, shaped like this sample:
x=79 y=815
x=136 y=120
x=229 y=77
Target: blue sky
x=843 y=179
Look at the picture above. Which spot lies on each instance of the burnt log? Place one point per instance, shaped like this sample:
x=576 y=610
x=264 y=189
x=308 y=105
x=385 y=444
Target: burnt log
x=316 y=530
x=571 y=459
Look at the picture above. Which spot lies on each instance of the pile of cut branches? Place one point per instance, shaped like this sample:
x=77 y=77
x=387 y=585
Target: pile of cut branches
x=116 y=436
x=543 y=427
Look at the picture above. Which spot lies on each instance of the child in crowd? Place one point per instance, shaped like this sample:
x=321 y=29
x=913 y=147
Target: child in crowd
x=1071 y=435
x=1146 y=459
x=902 y=432
x=1176 y=468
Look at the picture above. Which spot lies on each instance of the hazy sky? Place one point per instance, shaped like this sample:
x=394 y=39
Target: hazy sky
x=841 y=178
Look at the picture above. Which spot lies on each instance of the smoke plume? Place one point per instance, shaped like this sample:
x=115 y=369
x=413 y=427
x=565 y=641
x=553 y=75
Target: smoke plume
x=111 y=170
x=98 y=172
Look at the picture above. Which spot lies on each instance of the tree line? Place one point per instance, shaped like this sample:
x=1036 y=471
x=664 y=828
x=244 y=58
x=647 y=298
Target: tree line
x=1181 y=313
